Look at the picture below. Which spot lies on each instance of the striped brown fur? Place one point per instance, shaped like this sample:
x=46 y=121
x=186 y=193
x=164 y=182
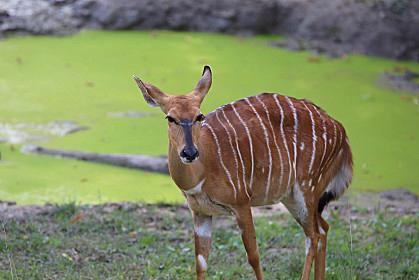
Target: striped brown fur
x=259 y=150
x=283 y=177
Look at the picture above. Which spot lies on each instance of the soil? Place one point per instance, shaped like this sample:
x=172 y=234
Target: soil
x=397 y=201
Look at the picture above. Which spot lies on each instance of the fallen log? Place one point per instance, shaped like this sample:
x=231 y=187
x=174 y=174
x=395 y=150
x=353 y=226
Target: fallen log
x=142 y=162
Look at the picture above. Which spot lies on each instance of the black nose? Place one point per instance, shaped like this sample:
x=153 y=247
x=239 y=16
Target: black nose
x=189 y=153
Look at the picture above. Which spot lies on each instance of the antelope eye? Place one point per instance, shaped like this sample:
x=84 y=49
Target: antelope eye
x=200 y=118
x=170 y=119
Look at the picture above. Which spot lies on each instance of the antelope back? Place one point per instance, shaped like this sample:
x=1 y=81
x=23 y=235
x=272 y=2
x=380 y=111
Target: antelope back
x=265 y=144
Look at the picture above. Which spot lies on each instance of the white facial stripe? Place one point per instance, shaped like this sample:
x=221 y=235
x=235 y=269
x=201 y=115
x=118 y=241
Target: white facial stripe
x=275 y=142
x=250 y=143
x=202 y=263
x=283 y=136
x=196 y=189
x=294 y=112
x=236 y=163
x=239 y=153
x=265 y=132
x=221 y=159
x=314 y=139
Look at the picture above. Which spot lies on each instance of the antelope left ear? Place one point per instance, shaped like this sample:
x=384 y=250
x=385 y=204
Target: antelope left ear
x=204 y=83
x=152 y=95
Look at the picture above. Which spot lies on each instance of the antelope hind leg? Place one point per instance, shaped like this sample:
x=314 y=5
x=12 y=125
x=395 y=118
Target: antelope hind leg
x=320 y=261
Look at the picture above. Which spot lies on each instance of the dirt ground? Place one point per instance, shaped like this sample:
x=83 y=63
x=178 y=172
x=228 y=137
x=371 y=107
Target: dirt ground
x=398 y=201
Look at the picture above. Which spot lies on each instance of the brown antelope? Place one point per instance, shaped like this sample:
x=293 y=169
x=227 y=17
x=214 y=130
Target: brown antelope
x=255 y=151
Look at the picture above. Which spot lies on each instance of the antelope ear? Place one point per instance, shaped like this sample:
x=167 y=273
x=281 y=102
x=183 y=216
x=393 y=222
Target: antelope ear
x=204 y=83
x=152 y=95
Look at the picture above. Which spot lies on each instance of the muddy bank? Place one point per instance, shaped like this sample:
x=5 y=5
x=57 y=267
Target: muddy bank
x=398 y=201
x=385 y=28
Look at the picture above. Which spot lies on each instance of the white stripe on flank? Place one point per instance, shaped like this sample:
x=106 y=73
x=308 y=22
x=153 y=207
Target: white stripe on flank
x=250 y=143
x=196 y=189
x=221 y=159
x=334 y=143
x=239 y=153
x=294 y=113
x=284 y=138
x=332 y=152
x=275 y=142
x=265 y=132
x=314 y=139
x=236 y=163
x=340 y=137
x=324 y=135
x=334 y=136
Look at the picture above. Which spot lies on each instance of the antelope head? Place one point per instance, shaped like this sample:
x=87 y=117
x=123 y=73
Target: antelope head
x=182 y=113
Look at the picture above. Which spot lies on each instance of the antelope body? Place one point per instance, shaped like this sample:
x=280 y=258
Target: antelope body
x=255 y=151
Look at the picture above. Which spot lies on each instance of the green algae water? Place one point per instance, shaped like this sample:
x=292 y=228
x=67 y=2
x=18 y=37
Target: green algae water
x=87 y=77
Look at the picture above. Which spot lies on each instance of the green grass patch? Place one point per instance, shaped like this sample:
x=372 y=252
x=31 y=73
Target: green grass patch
x=152 y=242
x=86 y=76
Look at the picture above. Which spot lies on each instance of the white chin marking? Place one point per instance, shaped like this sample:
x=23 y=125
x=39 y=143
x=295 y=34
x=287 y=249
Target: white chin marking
x=186 y=161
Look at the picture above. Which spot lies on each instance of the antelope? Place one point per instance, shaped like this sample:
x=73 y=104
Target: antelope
x=259 y=150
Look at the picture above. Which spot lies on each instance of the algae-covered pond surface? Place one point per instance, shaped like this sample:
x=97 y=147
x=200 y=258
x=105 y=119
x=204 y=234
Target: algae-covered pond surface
x=86 y=79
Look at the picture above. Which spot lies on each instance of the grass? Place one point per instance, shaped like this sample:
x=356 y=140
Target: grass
x=86 y=76
x=155 y=242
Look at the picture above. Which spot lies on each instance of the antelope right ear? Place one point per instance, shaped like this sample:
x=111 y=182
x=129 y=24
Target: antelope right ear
x=204 y=83
x=152 y=95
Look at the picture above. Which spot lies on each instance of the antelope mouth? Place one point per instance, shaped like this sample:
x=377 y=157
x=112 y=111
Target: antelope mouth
x=188 y=160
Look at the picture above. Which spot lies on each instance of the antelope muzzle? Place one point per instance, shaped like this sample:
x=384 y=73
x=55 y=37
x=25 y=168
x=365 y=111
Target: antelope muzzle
x=189 y=152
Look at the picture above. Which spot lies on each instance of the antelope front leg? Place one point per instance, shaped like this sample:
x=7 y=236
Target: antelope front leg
x=245 y=222
x=202 y=233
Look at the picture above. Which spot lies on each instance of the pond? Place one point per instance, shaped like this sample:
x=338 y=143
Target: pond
x=86 y=80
